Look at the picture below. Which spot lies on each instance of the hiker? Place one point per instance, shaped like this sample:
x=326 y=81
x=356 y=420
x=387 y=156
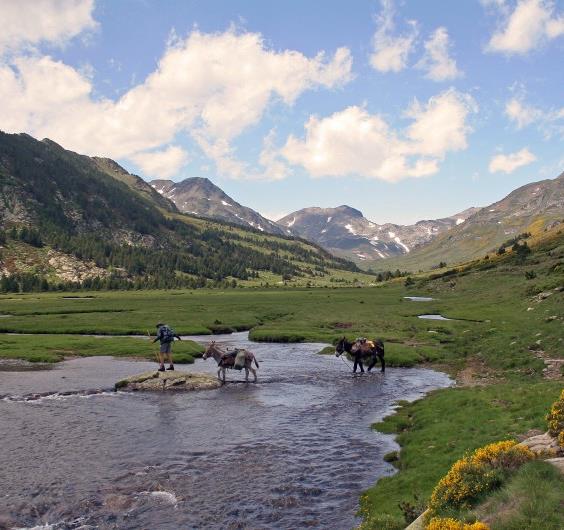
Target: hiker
x=166 y=336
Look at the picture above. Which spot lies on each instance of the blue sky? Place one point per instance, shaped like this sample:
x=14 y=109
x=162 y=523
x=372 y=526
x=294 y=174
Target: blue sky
x=414 y=110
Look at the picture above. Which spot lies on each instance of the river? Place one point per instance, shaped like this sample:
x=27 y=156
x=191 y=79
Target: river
x=293 y=451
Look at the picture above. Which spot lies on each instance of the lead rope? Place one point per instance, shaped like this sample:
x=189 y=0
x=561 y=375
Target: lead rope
x=342 y=359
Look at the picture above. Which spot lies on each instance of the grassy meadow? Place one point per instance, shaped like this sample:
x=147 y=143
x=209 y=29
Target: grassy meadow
x=506 y=314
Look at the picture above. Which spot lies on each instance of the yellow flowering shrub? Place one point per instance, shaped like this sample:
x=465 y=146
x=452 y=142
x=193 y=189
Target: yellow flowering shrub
x=447 y=523
x=556 y=420
x=504 y=455
x=477 y=473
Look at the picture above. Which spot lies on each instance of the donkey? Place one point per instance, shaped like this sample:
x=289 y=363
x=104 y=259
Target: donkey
x=225 y=361
x=360 y=351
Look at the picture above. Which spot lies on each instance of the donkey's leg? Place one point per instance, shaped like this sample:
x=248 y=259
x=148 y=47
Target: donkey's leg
x=383 y=363
x=254 y=374
x=361 y=366
x=372 y=362
x=246 y=375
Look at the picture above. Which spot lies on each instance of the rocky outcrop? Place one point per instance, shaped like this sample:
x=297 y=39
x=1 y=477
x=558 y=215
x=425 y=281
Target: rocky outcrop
x=168 y=381
x=543 y=444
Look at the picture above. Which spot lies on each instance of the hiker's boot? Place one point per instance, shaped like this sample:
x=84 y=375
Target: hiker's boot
x=171 y=367
x=161 y=368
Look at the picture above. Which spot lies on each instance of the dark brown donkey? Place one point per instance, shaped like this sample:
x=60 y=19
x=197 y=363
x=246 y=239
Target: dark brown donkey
x=369 y=351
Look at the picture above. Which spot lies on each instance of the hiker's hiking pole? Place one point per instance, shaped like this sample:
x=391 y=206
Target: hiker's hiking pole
x=156 y=354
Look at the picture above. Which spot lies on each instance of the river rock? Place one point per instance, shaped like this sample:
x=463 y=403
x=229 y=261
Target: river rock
x=543 y=444
x=172 y=381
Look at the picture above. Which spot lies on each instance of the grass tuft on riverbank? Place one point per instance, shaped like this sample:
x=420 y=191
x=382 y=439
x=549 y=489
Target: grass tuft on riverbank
x=55 y=348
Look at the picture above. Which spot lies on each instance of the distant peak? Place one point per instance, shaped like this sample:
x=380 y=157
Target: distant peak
x=349 y=210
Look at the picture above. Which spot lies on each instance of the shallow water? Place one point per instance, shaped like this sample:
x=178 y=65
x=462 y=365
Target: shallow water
x=293 y=451
x=433 y=317
x=419 y=298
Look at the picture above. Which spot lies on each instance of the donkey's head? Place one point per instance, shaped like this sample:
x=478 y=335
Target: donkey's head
x=209 y=351
x=340 y=347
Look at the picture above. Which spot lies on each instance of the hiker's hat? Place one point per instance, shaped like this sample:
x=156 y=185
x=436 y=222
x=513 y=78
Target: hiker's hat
x=160 y=324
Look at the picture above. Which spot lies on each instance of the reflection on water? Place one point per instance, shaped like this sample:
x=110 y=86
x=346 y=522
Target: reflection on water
x=293 y=451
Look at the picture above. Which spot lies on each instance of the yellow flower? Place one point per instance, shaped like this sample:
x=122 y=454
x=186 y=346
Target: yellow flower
x=556 y=420
x=447 y=523
x=477 y=473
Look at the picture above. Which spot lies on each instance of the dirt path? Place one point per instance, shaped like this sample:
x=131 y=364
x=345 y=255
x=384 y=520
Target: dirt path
x=553 y=369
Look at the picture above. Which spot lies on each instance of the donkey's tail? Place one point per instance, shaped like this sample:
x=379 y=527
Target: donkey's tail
x=256 y=362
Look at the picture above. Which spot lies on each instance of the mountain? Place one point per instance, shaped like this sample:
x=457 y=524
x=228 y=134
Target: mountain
x=199 y=196
x=345 y=231
x=532 y=208
x=66 y=217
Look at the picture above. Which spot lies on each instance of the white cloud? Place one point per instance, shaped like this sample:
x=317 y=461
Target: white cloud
x=390 y=52
x=211 y=85
x=163 y=164
x=274 y=167
x=528 y=26
x=355 y=142
x=522 y=114
x=32 y=22
x=436 y=60
x=511 y=162
x=441 y=125
x=273 y=215
x=222 y=154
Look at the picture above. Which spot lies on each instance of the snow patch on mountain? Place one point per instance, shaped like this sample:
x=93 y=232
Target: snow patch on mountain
x=399 y=242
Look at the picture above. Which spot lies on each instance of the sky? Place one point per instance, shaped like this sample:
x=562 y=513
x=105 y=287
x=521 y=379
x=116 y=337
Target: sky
x=405 y=110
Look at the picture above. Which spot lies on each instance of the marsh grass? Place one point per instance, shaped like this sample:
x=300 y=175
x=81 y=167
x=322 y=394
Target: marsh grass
x=54 y=348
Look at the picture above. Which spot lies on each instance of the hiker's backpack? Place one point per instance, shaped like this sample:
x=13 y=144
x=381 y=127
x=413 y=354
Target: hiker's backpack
x=167 y=333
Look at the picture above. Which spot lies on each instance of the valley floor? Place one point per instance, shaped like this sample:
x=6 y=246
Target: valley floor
x=506 y=323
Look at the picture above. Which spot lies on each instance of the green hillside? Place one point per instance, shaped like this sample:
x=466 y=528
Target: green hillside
x=71 y=221
x=532 y=208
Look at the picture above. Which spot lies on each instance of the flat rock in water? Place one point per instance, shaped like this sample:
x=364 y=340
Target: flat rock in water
x=172 y=381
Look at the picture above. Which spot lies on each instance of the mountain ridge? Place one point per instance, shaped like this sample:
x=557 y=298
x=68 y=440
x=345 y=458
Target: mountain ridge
x=532 y=208
x=344 y=230
x=201 y=197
